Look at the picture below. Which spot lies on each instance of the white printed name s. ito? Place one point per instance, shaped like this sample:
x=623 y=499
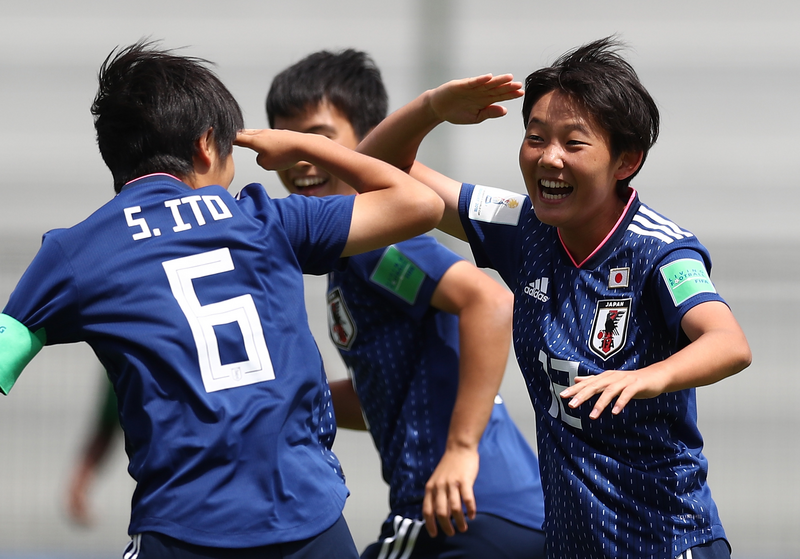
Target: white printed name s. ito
x=214 y=205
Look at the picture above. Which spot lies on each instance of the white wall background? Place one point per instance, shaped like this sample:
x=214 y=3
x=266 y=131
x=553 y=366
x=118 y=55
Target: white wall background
x=726 y=75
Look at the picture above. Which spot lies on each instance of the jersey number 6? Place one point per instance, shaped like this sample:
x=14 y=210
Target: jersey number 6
x=203 y=318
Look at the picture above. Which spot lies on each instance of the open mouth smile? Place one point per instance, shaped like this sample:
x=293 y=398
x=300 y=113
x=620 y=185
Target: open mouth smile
x=554 y=190
x=302 y=183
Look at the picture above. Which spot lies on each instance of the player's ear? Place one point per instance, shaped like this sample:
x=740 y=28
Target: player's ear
x=204 y=152
x=628 y=163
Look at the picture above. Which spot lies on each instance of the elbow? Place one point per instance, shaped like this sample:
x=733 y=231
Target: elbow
x=499 y=305
x=506 y=306
x=739 y=355
x=745 y=357
x=430 y=209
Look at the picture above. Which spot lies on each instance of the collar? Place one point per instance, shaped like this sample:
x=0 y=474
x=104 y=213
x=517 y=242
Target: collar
x=610 y=241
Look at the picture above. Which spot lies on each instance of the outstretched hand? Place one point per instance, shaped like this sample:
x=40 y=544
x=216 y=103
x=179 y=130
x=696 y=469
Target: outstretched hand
x=449 y=491
x=276 y=149
x=622 y=385
x=473 y=100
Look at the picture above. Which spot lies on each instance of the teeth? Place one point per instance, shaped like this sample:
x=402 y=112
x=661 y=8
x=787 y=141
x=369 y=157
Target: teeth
x=304 y=182
x=549 y=185
x=554 y=184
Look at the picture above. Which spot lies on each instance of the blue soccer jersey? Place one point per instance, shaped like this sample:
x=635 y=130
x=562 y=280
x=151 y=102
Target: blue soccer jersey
x=193 y=302
x=629 y=485
x=403 y=356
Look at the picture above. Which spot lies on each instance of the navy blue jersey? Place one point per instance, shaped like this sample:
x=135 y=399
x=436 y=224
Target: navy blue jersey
x=403 y=357
x=627 y=485
x=193 y=302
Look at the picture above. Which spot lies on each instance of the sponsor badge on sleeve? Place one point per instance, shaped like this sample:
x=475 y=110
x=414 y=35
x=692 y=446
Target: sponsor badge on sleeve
x=686 y=278
x=493 y=205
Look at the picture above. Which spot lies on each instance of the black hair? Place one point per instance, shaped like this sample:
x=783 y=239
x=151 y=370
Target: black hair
x=152 y=106
x=348 y=79
x=596 y=77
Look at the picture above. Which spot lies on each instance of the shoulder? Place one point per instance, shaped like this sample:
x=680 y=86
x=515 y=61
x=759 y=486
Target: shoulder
x=646 y=223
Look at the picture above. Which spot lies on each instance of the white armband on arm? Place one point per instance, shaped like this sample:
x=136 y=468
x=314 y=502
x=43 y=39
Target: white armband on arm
x=18 y=346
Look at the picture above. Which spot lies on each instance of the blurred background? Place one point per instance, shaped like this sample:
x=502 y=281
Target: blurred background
x=725 y=74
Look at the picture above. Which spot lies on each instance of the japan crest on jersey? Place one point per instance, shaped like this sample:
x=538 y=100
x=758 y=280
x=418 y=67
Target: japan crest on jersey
x=341 y=327
x=610 y=327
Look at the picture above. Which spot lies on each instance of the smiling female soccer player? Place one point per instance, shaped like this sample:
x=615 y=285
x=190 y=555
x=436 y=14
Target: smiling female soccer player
x=613 y=306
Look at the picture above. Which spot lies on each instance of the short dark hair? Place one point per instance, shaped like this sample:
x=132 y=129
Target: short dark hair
x=348 y=79
x=152 y=106
x=602 y=82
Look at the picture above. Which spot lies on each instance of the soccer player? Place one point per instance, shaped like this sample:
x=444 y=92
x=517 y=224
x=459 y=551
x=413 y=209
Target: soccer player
x=615 y=320
x=193 y=302
x=425 y=336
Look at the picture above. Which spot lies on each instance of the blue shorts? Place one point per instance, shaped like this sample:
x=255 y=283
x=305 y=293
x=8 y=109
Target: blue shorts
x=488 y=536
x=716 y=549
x=336 y=541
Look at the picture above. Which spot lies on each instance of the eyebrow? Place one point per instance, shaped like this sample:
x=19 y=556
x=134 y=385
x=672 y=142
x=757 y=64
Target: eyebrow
x=575 y=125
x=320 y=129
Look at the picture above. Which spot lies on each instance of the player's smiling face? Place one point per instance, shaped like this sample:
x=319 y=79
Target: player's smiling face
x=569 y=171
x=327 y=120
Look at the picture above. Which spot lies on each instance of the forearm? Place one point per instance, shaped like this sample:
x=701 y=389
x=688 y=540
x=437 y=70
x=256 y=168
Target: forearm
x=363 y=172
x=396 y=140
x=392 y=206
x=347 y=406
x=485 y=336
x=717 y=349
x=713 y=356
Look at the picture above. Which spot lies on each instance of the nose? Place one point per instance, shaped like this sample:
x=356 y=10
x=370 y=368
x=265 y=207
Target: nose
x=551 y=157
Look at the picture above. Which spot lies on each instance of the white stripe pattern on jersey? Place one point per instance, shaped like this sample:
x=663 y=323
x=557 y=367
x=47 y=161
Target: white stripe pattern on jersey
x=393 y=546
x=132 y=549
x=648 y=223
x=685 y=555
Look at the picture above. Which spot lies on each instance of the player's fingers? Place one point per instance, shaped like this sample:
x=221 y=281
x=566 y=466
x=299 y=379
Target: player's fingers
x=611 y=392
x=456 y=510
x=468 y=498
x=479 y=81
x=492 y=111
x=578 y=394
x=443 y=511
x=500 y=80
x=245 y=137
x=428 y=514
x=623 y=399
x=507 y=90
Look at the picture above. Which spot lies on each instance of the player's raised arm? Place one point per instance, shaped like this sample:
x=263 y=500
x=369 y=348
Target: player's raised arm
x=466 y=101
x=392 y=206
x=484 y=310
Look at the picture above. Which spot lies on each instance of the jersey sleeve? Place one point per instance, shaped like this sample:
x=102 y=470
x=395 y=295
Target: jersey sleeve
x=18 y=345
x=406 y=274
x=317 y=229
x=492 y=220
x=682 y=281
x=40 y=311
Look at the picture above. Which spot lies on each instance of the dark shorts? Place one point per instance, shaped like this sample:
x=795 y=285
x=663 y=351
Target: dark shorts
x=488 y=536
x=336 y=541
x=717 y=549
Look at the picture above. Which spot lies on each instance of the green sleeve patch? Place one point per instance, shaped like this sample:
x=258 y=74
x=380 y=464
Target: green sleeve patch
x=396 y=273
x=686 y=278
x=18 y=346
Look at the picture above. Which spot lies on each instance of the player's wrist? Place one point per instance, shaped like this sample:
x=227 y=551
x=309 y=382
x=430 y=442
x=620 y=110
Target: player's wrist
x=431 y=103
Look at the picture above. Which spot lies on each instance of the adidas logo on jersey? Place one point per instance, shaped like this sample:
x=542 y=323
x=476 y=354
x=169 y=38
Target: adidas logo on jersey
x=538 y=289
